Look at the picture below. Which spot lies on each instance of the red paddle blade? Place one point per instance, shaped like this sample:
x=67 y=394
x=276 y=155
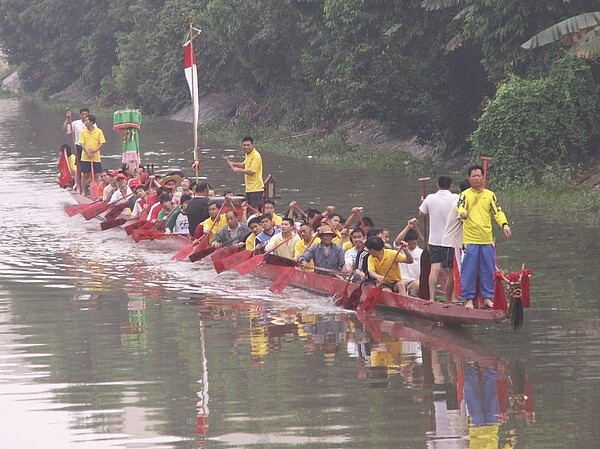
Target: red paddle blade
x=228 y=263
x=369 y=303
x=341 y=299
x=76 y=209
x=197 y=255
x=222 y=253
x=183 y=253
x=94 y=210
x=273 y=259
x=146 y=234
x=94 y=190
x=354 y=299
x=133 y=226
x=112 y=223
x=246 y=267
x=283 y=280
x=115 y=211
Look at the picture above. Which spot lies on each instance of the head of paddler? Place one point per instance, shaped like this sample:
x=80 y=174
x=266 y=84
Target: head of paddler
x=232 y=219
x=336 y=220
x=358 y=238
x=184 y=201
x=254 y=225
x=326 y=234
x=268 y=207
x=305 y=231
x=166 y=202
x=375 y=247
x=141 y=192
x=266 y=221
x=411 y=239
x=213 y=209
x=287 y=227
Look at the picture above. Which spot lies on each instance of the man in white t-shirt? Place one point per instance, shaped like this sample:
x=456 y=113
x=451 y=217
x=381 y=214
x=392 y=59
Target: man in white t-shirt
x=411 y=272
x=452 y=242
x=437 y=206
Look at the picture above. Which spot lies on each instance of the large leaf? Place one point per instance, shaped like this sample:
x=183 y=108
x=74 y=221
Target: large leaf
x=455 y=42
x=588 y=46
x=569 y=29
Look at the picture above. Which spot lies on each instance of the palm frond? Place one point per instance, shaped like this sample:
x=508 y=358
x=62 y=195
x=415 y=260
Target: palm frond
x=455 y=42
x=570 y=29
x=432 y=5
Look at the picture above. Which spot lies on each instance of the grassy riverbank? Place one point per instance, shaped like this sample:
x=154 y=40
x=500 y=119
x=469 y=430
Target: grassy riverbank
x=556 y=196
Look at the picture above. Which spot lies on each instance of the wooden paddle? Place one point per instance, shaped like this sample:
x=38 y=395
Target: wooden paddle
x=486 y=161
x=79 y=208
x=354 y=298
x=94 y=210
x=425 y=263
x=113 y=223
x=78 y=173
x=246 y=267
x=341 y=298
x=227 y=263
x=93 y=184
x=223 y=252
x=375 y=293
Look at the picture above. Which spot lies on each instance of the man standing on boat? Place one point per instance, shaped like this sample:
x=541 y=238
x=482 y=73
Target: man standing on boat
x=76 y=127
x=252 y=169
x=91 y=140
x=437 y=207
x=476 y=205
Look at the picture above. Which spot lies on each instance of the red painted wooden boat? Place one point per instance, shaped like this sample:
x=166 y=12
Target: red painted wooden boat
x=171 y=242
x=451 y=314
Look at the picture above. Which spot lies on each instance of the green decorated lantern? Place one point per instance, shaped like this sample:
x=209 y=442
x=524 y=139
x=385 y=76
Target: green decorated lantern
x=128 y=122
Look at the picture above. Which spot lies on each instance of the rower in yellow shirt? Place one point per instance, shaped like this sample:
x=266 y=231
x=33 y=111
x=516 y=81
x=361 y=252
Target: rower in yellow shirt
x=215 y=222
x=383 y=263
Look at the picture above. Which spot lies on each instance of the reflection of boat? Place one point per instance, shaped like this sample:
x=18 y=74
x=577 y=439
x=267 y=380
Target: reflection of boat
x=473 y=394
x=461 y=343
x=408 y=305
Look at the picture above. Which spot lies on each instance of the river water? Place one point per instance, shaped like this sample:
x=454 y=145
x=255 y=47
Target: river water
x=109 y=344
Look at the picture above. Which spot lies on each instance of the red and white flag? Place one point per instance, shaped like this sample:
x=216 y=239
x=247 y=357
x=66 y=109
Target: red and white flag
x=191 y=75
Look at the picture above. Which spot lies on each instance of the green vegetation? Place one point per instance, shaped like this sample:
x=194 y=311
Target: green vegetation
x=314 y=64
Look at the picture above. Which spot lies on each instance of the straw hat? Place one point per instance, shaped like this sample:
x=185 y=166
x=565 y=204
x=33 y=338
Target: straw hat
x=175 y=177
x=326 y=230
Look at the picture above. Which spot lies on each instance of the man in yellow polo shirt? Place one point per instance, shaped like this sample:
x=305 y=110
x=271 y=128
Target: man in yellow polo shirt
x=91 y=140
x=252 y=169
x=476 y=206
x=383 y=263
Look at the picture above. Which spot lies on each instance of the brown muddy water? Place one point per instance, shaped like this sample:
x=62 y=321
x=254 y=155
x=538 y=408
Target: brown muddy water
x=109 y=344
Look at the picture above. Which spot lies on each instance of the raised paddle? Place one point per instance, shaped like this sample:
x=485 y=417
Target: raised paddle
x=373 y=296
x=425 y=263
x=78 y=174
x=486 y=161
x=246 y=267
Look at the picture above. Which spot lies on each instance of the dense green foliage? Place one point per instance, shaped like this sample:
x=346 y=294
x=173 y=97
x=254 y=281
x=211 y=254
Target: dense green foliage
x=301 y=64
x=533 y=124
